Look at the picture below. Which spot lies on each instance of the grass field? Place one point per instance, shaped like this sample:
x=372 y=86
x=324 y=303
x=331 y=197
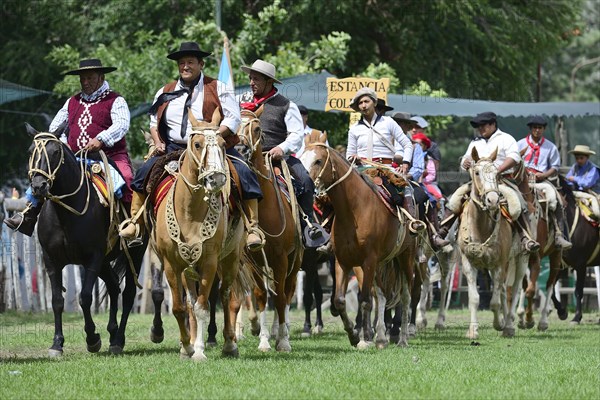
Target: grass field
x=563 y=363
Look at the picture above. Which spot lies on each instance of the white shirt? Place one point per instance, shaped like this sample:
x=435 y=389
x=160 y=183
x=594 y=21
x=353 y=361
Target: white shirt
x=119 y=113
x=295 y=129
x=307 y=131
x=174 y=112
x=359 y=139
x=504 y=142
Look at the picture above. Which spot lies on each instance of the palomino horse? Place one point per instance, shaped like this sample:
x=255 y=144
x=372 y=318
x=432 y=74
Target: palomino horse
x=487 y=242
x=283 y=249
x=365 y=235
x=73 y=229
x=195 y=237
x=585 y=236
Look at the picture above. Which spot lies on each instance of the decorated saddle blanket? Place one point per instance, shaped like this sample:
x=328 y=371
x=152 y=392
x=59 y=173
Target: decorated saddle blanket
x=588 y=204
x=388 y=185
x=96 y=173
x=548 y=194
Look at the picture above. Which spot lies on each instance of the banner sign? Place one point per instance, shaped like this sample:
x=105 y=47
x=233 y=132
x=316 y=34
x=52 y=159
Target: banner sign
x=340 y=92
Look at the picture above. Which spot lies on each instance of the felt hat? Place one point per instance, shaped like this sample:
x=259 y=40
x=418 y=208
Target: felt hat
x=92 y=64
x=402 y=117
x=188 y=49
x=483 y=118
x=364 y=91
x=420 y=121
x=262 y=67
x=537 y=120
x=383 y=106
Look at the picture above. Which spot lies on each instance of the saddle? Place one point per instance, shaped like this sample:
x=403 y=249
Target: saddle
x=588 y=204
x=388 y=185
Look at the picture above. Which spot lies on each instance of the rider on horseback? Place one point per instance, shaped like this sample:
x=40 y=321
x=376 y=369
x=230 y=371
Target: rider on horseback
x=97 y=118
x=170 y=128
x=541 y=157
x=491 y=139
x=283 y=131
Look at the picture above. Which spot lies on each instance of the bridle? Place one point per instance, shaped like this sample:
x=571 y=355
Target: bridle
x=209 y=151
x=39 y=153
x=320 y=191
x=248 y=124
x=481 y=191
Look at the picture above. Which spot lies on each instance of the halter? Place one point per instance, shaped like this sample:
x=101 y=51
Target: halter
x=319 y=190
x=250 y=122
x=40 y=141
x=209 y=151
x=481 y=192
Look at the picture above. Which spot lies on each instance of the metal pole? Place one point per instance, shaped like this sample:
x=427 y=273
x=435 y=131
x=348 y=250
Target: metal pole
x=218 y=13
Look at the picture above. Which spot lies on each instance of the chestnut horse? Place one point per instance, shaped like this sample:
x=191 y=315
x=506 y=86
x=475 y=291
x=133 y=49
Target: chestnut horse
x=195 y=237
x=282 y=255
x=364 y=235
x=487 y=242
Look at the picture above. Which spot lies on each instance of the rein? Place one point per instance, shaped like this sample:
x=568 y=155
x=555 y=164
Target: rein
x=481 y=193
x=211 y=144
x=40 y=151
x=320 y=192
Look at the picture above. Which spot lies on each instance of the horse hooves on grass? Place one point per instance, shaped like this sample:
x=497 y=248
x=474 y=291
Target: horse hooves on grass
x=115 y=350
x=55 y=353
x=94 y=348
x=542 y=326
x=412 y=330
x=199 y=357
x=211 y=343
x=508 y=332
x=156 y=337
x=530 y=324
x=232 y=353
x=521 y=325
x=440 y=327
x=562 y=314
x=395 y=339
x=381 y=344
x=305 y=335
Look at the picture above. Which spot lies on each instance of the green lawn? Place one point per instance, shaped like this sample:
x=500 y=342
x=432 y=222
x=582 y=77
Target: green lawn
x=559 y=364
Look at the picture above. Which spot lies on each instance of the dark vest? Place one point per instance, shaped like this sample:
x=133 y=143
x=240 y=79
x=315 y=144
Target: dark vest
x=88 y=118
x=209 y=104
x=272 y=121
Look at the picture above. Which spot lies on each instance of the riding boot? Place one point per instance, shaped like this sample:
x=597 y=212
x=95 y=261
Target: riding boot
x=559 y=238
x=305 y=201
x=24 y=221
x=255 y=240
x=133 y=227
x=433 y=227
x=527 y=243
x=439 y=239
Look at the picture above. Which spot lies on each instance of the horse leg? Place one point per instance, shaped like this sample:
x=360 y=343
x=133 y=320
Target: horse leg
x=318 y=291
x=334 y=312
x=579 y=294
x=520 y=267
x=112 y=287
x=381 y=340
x=231 y=305
x=555 y=261
x=498 y=299
x=407 y=283
x=93 y=340
x=252 y=316
x=366 y=303
x=179 y=309
x=341 y=286
x=471 y=275
x=421 y=319
x=282 y=302
x=199 y=302
x=395 y=322
x=58 y=306
x=260 y=293
x=415 y=297
x=309 y=288
x=211 y=341
x=157 y=333
x=445 y=283
x=535 y=268
x=561 y=310
x=522 y=309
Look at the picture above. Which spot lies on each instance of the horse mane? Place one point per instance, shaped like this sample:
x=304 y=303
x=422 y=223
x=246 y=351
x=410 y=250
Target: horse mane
x=566 y=189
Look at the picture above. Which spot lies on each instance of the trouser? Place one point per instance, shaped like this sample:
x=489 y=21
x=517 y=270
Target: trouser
x=305 y=187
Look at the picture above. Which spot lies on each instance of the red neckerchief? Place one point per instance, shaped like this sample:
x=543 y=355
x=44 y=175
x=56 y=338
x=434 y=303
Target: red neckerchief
x=256 y=102
x=535 y=150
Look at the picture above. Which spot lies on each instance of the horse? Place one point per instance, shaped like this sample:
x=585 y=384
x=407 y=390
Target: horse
x=73 y=228
x=585 y=236
x=281 y=257
x=544 y=236
x=195 y=237
x=487 y=242
x=365 y=235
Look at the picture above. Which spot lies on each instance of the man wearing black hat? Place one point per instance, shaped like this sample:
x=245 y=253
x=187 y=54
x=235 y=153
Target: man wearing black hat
x=541 y=158
x=283 y=131
x=97 y=118
x=490 y=139
x=307 y=130
x=170 y=128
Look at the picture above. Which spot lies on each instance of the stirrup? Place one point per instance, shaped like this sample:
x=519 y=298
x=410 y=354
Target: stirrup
x=256 y=246
x=126 y=223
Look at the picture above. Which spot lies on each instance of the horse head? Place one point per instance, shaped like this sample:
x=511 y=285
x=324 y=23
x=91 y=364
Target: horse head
x=250 y=134
x=317 y=159
x=205 y=160
x=484 y=175
x=46 y=158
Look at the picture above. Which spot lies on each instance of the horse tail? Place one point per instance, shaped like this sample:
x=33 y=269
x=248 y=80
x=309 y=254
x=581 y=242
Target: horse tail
x=390 y=283
x=244 y=282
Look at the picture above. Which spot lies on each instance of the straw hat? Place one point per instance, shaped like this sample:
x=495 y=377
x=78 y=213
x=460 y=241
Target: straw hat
x=582 y=149
x=262 y=67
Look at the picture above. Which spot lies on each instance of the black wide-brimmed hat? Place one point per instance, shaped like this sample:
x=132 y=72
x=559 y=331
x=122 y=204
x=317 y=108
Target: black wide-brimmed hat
x=92 y=64
x=188 y=49
x=383 y=106
x=537 y=120
x=483 y=118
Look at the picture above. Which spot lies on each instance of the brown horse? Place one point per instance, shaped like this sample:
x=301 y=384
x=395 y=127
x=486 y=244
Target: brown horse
x=195 y=237
x=487 y=242
x=282 y=255
x=585 y=236
x=365 y=235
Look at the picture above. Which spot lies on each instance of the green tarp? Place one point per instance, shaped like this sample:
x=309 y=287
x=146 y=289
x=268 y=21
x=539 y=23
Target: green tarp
x=12 y=92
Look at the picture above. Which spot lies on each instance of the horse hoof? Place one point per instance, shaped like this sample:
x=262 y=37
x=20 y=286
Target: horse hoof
x=521 y=325
x=211 y=343
x=563 y=314
x=156 y=337
x=381 y=344
x=530 y=324
x=264 y=345
x=186 y=352
x=362 y=345
x=508 y=332
x=422 y=324
x=233 y=353
x=255 y=327
x=115 y=350
x=574 y=322
x=55 y=353
x=403 y=343
x=412 y=330
x=395 y=339
x=334 y=312
x=284 y=346
x=305 y=335
x=473 y=334
x=199 y=357
x=94 y=348
x=440 y=327
x=542 y=326
x=317 y=329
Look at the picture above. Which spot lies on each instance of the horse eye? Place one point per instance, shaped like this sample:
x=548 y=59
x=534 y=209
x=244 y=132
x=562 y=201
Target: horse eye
x=318 y=162
x=196 y=145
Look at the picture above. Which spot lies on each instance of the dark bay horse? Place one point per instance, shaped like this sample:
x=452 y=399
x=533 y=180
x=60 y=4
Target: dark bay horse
x=73 y=228
x=283 y=251
x=365 y=235
x=585 y=236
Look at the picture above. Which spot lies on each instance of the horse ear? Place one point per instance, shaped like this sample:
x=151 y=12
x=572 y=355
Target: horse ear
x=523 y=151
x=474 y=154
x=323 y=137
x=260 y=110
x=216 y=117
x=62 y=128
x=30 y=129
x=494 y=154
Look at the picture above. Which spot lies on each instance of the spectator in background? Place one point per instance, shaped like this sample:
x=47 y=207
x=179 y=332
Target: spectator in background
x=381 y=108
x=584 y=174
x=307 y=129
x=420 y=125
